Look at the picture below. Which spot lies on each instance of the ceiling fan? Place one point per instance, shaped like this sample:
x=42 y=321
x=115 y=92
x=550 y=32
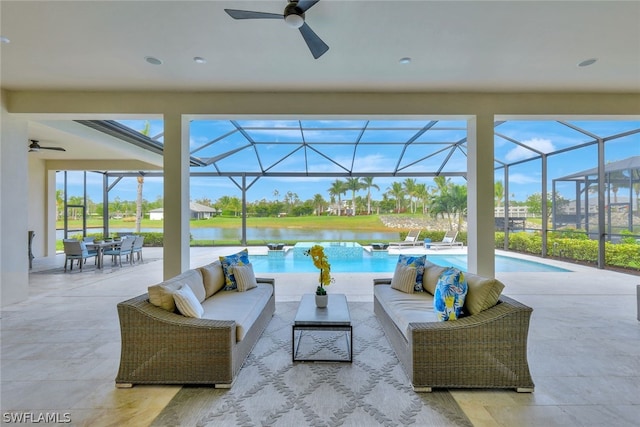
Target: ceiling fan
x=34 y=147
x=293 y=15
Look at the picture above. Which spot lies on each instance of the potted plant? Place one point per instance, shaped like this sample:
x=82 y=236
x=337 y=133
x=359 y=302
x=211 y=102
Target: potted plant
x=316 y=252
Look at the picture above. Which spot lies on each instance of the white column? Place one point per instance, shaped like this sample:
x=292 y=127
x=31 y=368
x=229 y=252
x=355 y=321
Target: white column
x=480 y=196
x=176 y=195
x=14 y=189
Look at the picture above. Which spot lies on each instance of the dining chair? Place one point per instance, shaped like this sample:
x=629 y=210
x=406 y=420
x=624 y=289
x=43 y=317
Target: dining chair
x=124 y=248
x=137 y=247
x=76 y=250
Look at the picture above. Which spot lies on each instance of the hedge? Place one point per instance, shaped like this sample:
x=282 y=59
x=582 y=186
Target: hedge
x=574 y=246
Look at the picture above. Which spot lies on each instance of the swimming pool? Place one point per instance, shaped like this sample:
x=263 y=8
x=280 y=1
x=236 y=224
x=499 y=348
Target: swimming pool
x=383 y=263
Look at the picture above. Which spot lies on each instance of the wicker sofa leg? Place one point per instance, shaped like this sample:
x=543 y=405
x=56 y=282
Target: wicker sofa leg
x=124 y=385
x=524 y=389
x=225 y=386
x=421 y=389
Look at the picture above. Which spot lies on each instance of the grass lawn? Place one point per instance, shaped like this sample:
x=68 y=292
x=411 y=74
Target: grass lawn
x=365 y=222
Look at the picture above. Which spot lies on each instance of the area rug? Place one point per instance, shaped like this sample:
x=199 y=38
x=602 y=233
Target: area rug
x=270 y=390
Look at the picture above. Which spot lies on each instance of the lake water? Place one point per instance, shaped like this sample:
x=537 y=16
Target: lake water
x=273 y=235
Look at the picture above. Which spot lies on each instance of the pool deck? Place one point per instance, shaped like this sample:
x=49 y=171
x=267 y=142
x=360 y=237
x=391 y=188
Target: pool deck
x=61 y=347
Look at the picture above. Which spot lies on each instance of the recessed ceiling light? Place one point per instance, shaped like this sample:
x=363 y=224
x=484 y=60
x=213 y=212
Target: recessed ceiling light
x=587 y=62
x=4 y=39
x=199 y=60
x=152 y=60
x=405 y=60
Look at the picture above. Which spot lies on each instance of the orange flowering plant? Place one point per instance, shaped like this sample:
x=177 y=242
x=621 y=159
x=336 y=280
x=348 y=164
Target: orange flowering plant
x=320 y=260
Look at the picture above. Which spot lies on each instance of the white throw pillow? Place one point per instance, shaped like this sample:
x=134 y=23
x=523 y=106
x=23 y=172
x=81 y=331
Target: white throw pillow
x=187 y=302
x=404 y=278
x=245 y=277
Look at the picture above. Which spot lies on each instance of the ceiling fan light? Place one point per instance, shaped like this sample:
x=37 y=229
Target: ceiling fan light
x=294 y=21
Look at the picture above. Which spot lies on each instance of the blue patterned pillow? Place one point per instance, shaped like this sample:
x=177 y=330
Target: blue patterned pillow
x=240 y=258
x=451 y=291
x=417 y=262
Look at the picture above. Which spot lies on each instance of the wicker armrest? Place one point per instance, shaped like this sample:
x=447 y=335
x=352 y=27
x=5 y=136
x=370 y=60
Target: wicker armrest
x=269 y=280
x=167 y=348
x=382 y=281
x=491 y=346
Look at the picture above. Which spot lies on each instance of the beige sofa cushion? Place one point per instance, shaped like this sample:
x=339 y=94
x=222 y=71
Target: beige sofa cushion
x=404 y=308
x=431 y=275
x=161 y=295
x=242 y=307
x=212 y=277
x=482 y=293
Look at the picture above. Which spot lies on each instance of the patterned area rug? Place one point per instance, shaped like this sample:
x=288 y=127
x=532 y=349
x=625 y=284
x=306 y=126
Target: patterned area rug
x=270 y=390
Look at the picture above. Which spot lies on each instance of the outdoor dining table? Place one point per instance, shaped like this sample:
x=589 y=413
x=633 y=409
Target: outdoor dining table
x=101 y=246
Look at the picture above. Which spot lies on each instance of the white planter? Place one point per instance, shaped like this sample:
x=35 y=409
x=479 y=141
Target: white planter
x=321 y=301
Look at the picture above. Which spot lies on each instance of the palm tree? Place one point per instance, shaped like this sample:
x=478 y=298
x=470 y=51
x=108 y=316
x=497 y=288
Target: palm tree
x=458 y=202
x=354 y=185
x=422 y=194
x=59 y=203
x=442 y=183
x=337 y=189
x=498 y=192
x=140 y=178
x=367 y=182
x=410 y=187
x=318 y=202
x=397 y=192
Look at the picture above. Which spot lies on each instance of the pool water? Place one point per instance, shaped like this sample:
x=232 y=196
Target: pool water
x=280 y=262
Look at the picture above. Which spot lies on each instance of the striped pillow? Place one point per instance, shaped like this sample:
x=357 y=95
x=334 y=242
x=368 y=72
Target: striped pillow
x=404 y=278
x=245 y=278
x=187 y=302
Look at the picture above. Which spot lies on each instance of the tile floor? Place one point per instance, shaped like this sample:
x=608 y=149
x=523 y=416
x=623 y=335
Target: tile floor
x=60 y=348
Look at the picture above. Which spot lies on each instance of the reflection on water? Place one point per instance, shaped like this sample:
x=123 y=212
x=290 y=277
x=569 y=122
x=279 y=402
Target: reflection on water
x=272 y=234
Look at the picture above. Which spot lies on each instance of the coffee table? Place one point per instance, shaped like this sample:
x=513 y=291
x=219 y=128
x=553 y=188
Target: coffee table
x=334 y=317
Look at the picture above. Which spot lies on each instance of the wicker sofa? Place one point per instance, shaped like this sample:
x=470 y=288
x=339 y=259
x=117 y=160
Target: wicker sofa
x=161 y=346
x=485 y=349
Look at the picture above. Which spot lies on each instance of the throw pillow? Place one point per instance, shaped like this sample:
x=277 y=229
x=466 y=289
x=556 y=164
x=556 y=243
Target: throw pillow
x=245 y=277
x=418 y=263
x=212 y=278
x=187 y=302
x=240 y=258
x=450 y=294
x=430 y=277
x=404 y=278
x=483 y=293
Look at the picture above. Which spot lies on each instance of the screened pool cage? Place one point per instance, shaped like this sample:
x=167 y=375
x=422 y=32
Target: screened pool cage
x=604 y=206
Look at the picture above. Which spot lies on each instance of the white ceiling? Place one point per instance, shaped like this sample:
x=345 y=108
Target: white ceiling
x=454 y=46
x=457 y=46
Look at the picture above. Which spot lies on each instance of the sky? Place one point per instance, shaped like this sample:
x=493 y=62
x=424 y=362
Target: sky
x=380 y=144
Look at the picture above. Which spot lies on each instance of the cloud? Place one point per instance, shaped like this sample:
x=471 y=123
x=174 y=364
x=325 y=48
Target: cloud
x=520 y=153
x=519 y=178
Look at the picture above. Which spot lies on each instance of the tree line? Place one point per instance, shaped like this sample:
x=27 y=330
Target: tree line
x=344 y=197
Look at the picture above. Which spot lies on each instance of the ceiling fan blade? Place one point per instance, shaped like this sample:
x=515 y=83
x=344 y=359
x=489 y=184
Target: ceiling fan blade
x=53 y=148
x=315 y=43
x=305 y=5
x=247 y=14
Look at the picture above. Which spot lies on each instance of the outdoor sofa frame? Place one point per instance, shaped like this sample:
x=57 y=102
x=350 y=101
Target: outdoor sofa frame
x=161 y=347
x=485 y=350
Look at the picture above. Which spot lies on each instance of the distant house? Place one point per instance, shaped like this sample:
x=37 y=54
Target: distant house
x=198 y=211
x=156 y=214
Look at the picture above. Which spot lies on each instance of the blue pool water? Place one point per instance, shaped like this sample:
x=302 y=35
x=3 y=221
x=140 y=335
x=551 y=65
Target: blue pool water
x=382 y=263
